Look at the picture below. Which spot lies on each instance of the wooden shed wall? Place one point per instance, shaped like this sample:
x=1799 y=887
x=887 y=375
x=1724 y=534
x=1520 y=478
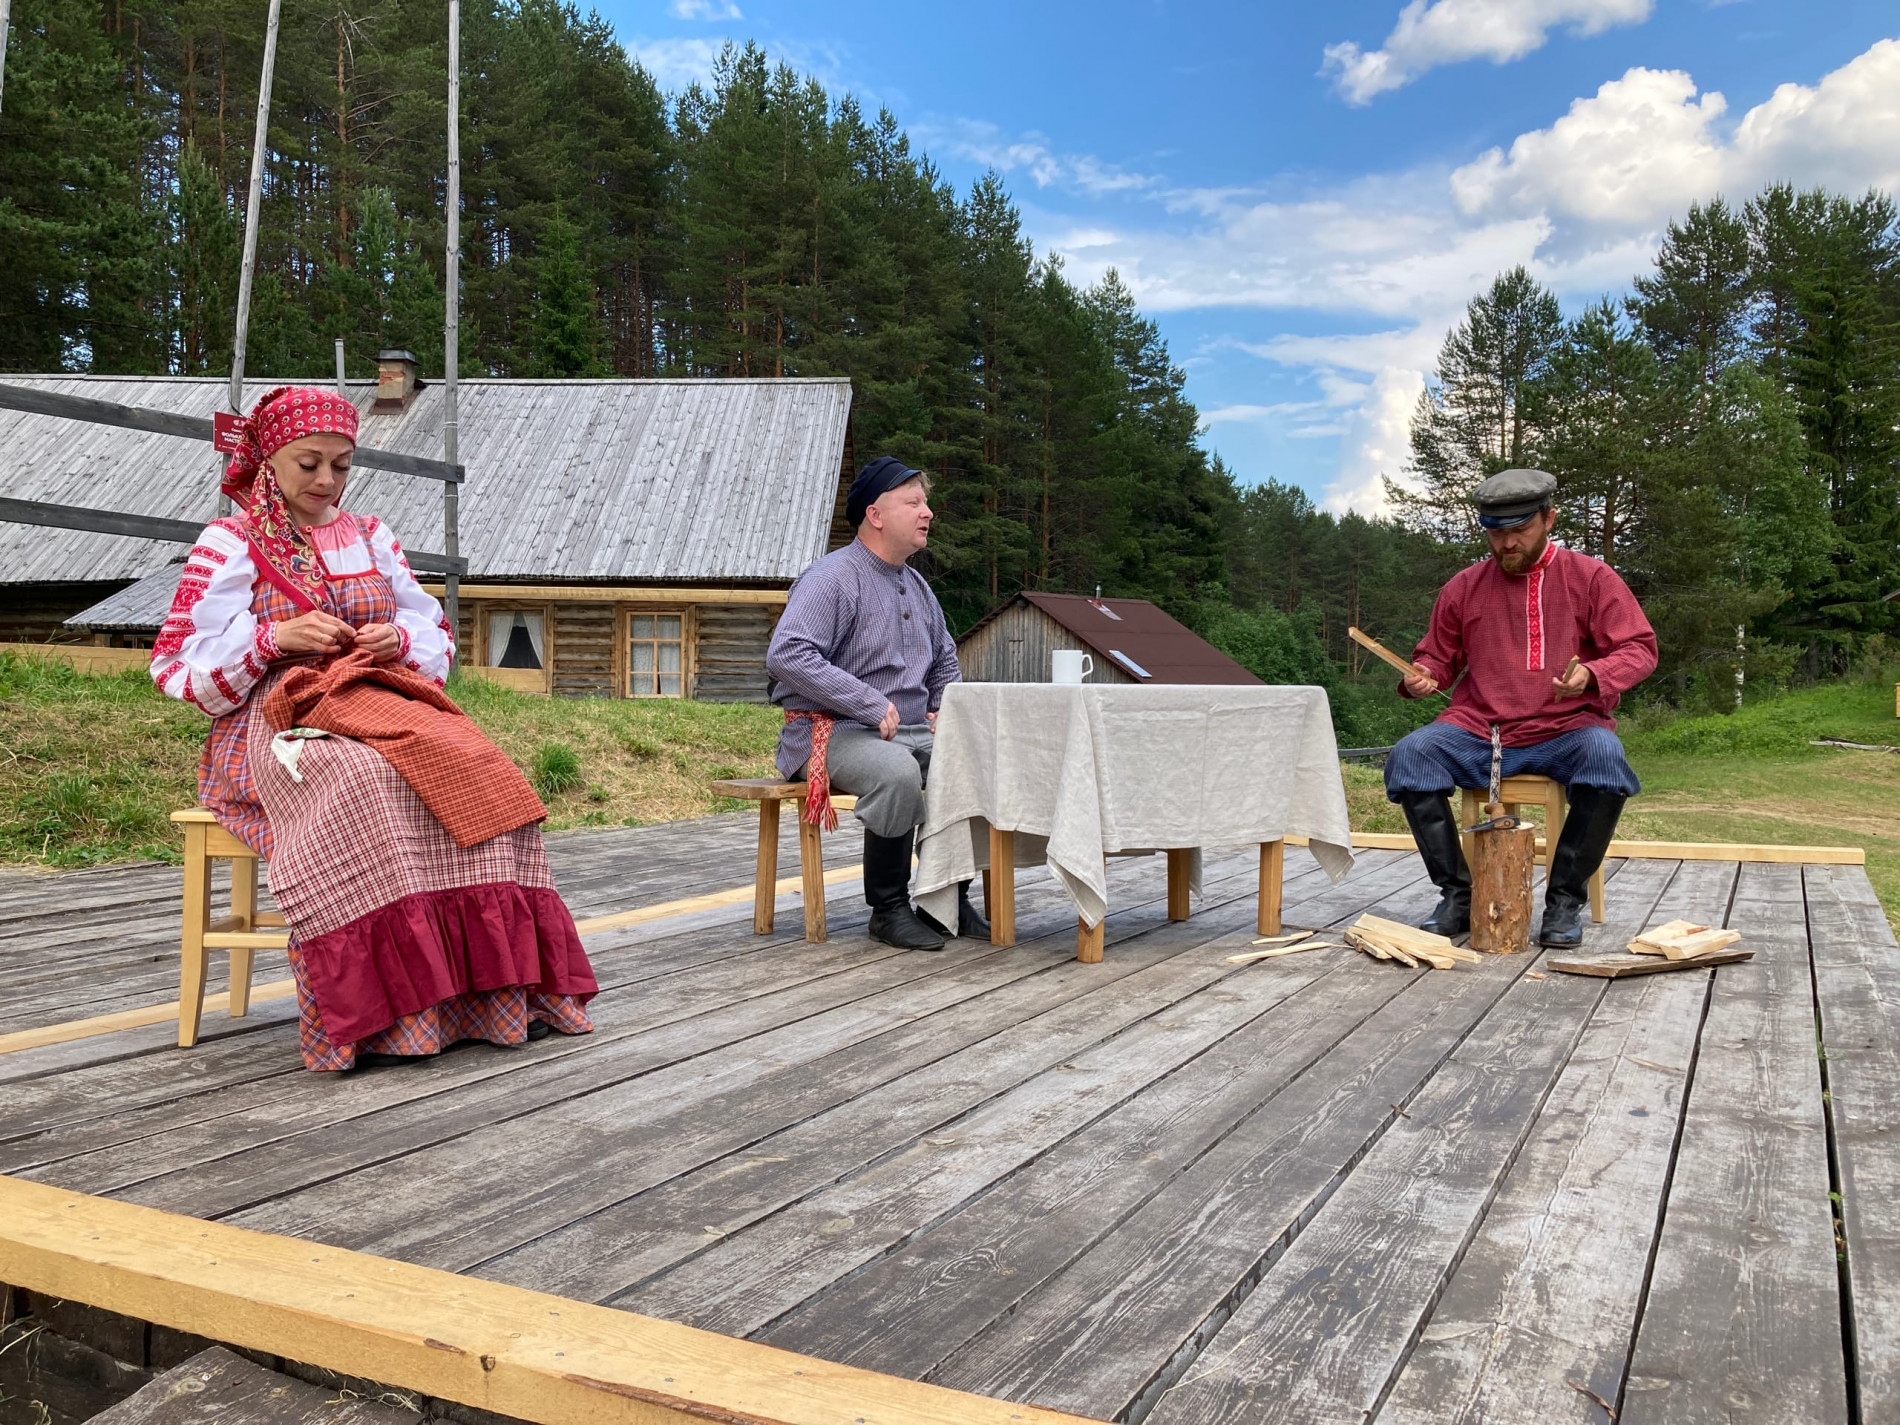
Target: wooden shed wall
x=1014 y=647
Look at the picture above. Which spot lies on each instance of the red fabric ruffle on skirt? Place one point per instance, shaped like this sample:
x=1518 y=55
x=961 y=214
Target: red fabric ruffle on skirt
x=497 y=1016
x=425 y=948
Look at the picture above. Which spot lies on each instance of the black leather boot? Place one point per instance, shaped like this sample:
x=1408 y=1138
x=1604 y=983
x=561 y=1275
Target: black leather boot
x=1435 y=831
x=970 y=922
x=1589 y=827
x=887 y=891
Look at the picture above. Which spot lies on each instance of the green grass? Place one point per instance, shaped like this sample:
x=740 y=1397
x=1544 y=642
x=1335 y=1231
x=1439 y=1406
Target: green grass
x=92 y=767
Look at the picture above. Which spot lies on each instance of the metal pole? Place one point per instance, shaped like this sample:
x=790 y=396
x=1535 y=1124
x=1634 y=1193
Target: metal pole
x=339 y=368
x=5 y=5
x=249 y=269
x=451 y=323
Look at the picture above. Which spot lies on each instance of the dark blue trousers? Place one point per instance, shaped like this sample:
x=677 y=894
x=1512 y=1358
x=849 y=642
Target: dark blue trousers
x=1440 y=757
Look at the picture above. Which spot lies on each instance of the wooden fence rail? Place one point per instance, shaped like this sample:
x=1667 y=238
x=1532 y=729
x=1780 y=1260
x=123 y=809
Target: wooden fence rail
x=111 y=413
x=36 y=512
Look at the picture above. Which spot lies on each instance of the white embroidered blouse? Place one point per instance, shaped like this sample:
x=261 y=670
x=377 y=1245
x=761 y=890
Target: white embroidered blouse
x=212 y=649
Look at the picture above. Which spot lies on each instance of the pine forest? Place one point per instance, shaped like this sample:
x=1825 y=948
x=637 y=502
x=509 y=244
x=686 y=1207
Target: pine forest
x=1727 y=432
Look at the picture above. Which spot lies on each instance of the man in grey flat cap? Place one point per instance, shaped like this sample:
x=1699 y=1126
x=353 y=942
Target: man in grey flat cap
x=1502 y=638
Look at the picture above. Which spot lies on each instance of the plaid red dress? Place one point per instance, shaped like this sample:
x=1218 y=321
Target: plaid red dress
x=402 y=942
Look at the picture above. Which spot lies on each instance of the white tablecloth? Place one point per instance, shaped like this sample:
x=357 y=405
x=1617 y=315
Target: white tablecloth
x=1080 y=771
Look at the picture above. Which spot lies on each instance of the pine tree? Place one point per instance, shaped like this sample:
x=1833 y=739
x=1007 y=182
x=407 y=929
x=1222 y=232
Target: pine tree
x=566 y=326
x=1597 y=402
x=1477 y=413
x=203 y=251
x=1693 y=308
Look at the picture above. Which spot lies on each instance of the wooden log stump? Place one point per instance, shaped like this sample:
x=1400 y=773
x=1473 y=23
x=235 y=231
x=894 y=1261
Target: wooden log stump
x=1501 y=890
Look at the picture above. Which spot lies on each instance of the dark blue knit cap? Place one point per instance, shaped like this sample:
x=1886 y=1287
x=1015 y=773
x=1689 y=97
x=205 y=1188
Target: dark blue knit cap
x=885 y=473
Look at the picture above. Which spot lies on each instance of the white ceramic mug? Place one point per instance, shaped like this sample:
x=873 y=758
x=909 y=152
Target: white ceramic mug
x=1066 y=665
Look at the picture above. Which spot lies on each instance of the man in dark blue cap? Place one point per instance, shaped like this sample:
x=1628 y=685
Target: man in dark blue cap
x=1539 y=643
x=859 y=662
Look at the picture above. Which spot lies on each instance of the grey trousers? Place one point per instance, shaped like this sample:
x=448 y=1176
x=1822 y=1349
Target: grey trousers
x=887 y=778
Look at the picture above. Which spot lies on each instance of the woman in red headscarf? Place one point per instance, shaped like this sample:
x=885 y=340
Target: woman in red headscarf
x=403 y=940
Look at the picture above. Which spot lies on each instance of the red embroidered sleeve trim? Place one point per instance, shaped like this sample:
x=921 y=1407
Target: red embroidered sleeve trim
x=224 y=686
x=265 y=641
x=403 y=634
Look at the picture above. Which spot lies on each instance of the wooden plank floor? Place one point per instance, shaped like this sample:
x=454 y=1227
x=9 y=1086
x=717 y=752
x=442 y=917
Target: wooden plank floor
x=1161 y=1188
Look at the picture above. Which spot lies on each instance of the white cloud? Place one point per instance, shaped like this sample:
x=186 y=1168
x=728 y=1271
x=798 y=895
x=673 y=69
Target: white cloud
x=704 y=10
x=977 y=141
x=1643 y=147
x=1434 y=32
x=1394 y=247
x=1376 y=443
x=676 y=63
x=1581 y=202
x=1278 y=410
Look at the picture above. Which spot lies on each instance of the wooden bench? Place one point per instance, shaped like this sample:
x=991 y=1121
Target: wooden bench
x=768 y=793
x=1518 y=792
x=244 y=931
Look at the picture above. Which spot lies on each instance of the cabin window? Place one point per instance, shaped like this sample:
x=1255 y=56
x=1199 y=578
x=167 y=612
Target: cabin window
x=656 y=655
x=517 y=638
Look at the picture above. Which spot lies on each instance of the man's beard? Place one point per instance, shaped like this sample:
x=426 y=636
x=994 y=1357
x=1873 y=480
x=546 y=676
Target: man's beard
x=1522 y=563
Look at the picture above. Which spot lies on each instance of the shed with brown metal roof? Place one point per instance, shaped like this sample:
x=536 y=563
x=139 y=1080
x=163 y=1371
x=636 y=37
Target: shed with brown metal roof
x=1130 y=640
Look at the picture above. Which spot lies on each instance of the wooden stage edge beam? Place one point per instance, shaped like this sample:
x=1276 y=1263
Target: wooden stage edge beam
x=1658 y=850
x=544 y=1359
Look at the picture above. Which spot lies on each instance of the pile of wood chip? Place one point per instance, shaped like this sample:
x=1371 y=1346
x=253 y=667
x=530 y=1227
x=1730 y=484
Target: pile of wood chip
x=1683 y=940
x=1389 y=940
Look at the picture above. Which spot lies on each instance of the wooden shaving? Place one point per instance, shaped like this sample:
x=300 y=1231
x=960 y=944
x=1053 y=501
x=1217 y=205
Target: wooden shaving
x=1248 y=957
x=1608 y=1409
x=1283 y=939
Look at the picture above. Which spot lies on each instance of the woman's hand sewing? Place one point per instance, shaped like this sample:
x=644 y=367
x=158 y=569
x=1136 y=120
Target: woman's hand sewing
x=381 y=641
x=314 y=632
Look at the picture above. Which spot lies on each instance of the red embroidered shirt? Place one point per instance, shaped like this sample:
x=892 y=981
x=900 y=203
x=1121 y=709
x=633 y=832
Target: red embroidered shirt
x=1510 y=634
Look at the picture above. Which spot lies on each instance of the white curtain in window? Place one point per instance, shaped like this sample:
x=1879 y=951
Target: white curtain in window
x=517 y=638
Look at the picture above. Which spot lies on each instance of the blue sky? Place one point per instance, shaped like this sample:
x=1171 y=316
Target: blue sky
x=1305 y=197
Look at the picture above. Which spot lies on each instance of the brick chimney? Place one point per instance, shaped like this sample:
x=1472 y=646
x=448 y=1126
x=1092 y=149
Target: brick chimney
x=396 y=383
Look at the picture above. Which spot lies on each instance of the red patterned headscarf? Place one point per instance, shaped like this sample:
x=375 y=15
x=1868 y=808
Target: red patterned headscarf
x=283 y=552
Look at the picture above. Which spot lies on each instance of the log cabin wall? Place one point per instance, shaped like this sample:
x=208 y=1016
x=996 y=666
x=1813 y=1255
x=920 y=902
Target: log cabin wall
x=585 y=652
x=724 y=645
x=1014 y=647
x=729 y=656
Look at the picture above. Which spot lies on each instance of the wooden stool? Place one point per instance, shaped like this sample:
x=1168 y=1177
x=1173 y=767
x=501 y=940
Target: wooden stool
x=1519 y=792
x=241 y=932
x=768 y=793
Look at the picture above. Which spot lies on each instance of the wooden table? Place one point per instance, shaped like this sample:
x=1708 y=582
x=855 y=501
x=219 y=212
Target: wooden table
x=1093 y=771
x=999 y=893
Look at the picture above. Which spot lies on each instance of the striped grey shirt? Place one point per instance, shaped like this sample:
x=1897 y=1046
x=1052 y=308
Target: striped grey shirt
x=856 y=634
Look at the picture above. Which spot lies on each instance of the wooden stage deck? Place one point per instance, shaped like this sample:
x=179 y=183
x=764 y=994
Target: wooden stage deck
x=1162 y=1188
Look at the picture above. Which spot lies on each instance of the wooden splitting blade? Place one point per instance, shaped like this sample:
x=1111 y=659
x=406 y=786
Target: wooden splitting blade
x=1379 y=650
